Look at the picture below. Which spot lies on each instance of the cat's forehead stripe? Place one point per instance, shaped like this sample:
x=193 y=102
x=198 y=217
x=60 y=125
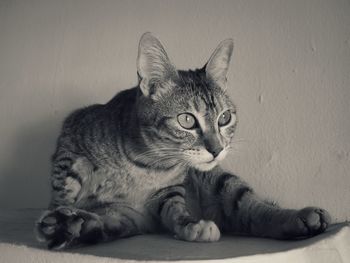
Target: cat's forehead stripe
x=196 y=105
x=202 y=105
x=220 y=103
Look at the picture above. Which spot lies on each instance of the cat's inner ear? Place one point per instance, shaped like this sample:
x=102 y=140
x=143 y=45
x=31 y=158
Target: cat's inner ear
x=154 y=68
x=218 y=64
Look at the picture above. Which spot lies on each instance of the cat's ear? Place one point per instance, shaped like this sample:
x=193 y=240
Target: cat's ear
x=217 y=66
x=154 y=67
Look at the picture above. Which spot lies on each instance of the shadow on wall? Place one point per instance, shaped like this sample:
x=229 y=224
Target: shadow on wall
x=25 y=178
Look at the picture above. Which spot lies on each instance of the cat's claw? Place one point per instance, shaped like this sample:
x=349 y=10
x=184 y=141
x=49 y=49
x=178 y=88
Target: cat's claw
x=62 y=227
x=202 y=231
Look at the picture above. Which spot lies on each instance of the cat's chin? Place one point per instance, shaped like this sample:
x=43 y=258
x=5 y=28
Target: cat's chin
x=205 y=166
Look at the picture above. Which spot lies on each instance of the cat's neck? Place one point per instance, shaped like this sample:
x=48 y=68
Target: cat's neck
x=130 y=142
x=138 y=150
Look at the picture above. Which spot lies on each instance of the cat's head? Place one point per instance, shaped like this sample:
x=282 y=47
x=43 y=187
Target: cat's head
x=185 y=116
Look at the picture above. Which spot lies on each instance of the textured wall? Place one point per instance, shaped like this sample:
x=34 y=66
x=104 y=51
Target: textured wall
x=290 y=78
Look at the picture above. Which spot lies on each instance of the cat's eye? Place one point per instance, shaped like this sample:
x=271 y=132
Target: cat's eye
x=186 y=120
x=225 y=118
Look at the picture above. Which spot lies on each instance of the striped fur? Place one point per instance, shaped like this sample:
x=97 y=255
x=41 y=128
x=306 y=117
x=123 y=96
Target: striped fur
x=129 y=166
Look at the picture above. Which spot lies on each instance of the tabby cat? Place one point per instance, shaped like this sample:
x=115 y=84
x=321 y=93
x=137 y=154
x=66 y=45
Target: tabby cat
x=147 y=161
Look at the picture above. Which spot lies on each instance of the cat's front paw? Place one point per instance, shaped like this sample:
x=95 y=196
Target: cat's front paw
x=202 y=231
x=309 y=221
x=65 y=227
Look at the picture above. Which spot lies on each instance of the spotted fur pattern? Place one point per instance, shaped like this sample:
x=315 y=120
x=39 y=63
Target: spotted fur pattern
x=131 y=166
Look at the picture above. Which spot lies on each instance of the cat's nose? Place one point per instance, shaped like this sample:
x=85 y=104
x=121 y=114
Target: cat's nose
x=212 y=144
x=216 y=151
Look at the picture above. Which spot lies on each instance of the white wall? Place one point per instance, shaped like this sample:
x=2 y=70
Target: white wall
x=290 y=78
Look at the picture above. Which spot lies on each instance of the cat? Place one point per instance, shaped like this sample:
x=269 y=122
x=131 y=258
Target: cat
x=148 y=161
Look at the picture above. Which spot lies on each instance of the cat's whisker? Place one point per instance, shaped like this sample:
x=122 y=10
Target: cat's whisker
x=232 y=150
x=155 y=152
x=166 y=155
x=240 y=141
x=156 y=158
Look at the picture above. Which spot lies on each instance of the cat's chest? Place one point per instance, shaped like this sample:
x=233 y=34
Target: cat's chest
x=155 y=179
x=130 y=183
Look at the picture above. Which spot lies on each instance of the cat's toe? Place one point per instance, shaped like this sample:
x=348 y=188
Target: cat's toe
x=45 y=226
x=202 y=231
x=209 y=232
x=307 y=222
x=315 y=220
x=58 y=228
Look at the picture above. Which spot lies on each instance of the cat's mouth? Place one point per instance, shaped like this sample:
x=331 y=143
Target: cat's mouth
x=211 y=161
x=206 y=166
x=207 y=161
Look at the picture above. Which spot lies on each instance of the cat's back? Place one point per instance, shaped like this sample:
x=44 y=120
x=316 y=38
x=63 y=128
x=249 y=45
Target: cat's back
x=95 y=127
x=123 y=99
x=82 y=117
x=85 y=118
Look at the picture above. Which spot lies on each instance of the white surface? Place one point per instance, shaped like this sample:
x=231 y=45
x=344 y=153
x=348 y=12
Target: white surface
x=326 y=253
x=17 y=244
x=290 y=78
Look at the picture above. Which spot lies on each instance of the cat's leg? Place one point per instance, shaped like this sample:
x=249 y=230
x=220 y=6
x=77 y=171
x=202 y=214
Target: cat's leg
x=170 y=207
x=245 y=212
x=66 y=227
x=67 y=177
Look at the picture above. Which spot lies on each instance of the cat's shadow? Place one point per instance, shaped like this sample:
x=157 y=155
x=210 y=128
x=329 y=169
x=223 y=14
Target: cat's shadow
x=25 y=177
x=25 y=180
